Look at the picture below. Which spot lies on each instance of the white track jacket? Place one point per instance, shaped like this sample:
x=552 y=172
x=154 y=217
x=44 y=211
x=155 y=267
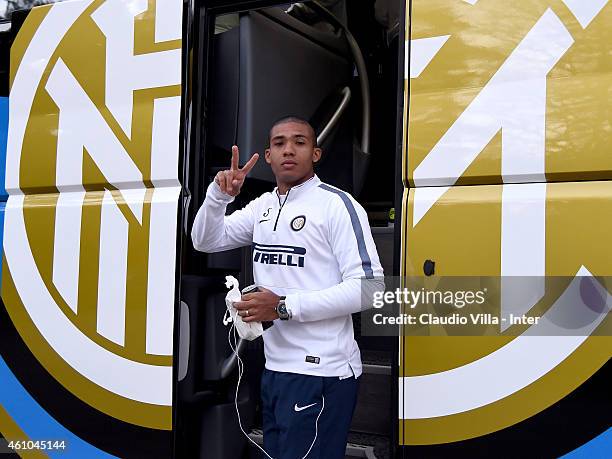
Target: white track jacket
x=314 y=245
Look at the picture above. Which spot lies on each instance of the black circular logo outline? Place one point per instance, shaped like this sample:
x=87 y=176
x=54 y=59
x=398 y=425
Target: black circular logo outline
x=295 y=220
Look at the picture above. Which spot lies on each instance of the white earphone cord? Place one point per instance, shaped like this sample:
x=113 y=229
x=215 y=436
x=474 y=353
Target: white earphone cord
x=234 y=345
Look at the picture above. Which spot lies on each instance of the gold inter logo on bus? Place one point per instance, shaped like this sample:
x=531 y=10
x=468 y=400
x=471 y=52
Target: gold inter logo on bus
x=90 y=226
x=505 y=96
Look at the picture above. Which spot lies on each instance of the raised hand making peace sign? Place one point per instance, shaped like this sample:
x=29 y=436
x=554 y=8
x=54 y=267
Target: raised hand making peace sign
x=230 y=181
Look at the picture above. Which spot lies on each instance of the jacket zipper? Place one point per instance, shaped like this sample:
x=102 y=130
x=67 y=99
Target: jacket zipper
x=281 y=206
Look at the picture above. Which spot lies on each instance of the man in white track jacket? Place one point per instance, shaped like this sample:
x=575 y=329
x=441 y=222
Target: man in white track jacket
x=313 y=255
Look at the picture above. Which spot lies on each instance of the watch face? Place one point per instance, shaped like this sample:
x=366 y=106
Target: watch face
x=282 y=311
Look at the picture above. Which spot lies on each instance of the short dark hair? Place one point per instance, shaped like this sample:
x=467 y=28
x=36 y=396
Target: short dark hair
x=294 y=119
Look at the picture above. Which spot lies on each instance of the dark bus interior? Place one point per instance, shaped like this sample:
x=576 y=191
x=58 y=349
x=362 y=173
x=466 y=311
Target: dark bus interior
x=338 y=65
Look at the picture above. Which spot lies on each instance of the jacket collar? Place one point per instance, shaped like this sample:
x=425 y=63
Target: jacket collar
x=302 y=188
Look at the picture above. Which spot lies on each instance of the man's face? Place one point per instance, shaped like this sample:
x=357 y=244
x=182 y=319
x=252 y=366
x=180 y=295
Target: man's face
x=292 y=152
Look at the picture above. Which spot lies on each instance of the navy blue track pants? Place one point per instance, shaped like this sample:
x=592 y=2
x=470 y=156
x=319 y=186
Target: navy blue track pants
x=291 y=404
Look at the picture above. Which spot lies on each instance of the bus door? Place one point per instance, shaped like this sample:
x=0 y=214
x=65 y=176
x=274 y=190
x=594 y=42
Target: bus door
x=507 y=183
x=91 y=228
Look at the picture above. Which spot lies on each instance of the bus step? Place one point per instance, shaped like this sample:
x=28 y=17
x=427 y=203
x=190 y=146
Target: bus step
x=373 y=369
x=352 y=449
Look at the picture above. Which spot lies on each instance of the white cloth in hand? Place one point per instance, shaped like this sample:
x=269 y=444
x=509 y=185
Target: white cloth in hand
x=248 y=331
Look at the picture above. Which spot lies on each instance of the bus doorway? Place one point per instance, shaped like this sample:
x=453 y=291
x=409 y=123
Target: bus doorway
x=336 y=67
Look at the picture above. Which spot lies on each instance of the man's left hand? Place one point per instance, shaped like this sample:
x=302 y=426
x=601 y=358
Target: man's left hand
x=258 y=306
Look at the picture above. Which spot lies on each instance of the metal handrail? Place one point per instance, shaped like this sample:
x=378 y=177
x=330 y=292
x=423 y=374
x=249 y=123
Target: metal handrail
x=361 y=71
x=331 y=124
x=229 y=363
